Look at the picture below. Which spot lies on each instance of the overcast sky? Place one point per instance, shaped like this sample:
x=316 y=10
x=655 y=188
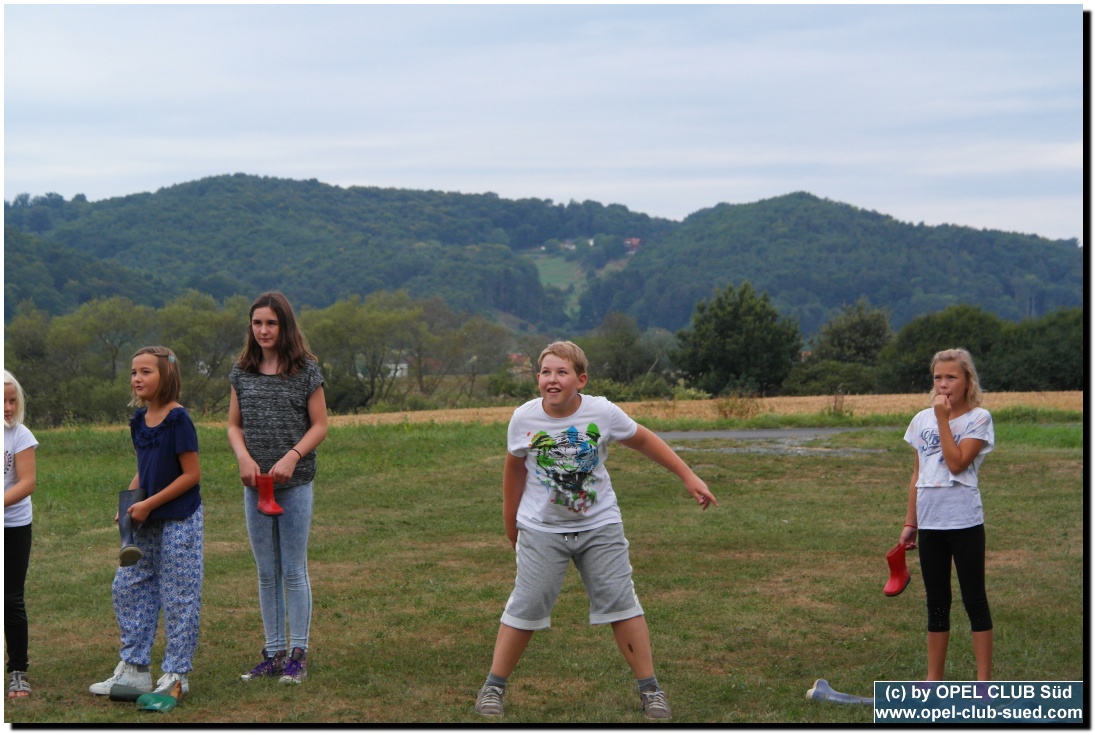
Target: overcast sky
x=970 y=115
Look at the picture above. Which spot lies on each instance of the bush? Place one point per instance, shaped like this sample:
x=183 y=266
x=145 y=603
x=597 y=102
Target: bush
x=829 y=377
x=643 y=388
x=502 y=384
x=684 y=393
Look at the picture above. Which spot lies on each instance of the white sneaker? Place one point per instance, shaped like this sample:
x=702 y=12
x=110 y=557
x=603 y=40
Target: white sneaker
x=125 y=675
x=169 y=678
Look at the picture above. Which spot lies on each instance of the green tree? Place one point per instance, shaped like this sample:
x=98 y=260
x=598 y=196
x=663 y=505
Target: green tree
x=335 y=335
x=483 y=348
x=28 y=357
x=616 y=350
x=206 y=338
x=71 y=366
x=432 y=351
x=97 y=338
x=738 y=341
x=362 y=346
x=904 y=365
x=857 y=334
x=1045 y=354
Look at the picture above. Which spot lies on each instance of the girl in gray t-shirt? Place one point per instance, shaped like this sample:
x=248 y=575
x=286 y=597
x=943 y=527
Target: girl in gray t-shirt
x=276 y=419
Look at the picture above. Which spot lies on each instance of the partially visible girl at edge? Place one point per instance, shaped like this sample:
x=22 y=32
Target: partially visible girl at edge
x=19 y=480
x=944 y=515
x=276 y=418
x=168 y=527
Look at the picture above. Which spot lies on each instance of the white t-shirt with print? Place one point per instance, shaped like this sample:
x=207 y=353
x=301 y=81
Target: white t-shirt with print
x=16 y=439
x=568 y=488
x=944 y=500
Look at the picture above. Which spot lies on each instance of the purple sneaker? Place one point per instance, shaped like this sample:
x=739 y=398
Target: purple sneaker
x=296 y=667
x=271 y=666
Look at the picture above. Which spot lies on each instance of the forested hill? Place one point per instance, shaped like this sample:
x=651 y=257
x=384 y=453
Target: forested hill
x=811 y=255
x=319 y=243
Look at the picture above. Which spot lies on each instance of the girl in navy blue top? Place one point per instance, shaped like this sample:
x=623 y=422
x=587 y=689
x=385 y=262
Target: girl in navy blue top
x=168 y=530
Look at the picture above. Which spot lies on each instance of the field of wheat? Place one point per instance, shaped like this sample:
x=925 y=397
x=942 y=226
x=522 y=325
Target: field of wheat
x=715 y=409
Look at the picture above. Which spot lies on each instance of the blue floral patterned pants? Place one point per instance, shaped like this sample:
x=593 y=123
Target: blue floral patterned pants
x=167 y=578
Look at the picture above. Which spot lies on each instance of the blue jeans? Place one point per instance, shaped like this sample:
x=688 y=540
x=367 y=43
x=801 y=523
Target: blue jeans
x=168 y=577
x=280 y=547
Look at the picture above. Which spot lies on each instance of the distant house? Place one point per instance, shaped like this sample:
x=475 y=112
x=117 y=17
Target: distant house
x=633 y=244
x=520 y=364
x=396 y=369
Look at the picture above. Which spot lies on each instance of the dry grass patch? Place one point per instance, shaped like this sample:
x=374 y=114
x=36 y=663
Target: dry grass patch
x=717 y=408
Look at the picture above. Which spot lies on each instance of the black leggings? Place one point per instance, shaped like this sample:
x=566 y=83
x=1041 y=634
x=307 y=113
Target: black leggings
x=16 y=561
x=967 y=547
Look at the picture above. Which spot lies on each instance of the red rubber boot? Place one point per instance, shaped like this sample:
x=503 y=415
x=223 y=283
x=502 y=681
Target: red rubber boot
x=267 y=505
x=899 y=571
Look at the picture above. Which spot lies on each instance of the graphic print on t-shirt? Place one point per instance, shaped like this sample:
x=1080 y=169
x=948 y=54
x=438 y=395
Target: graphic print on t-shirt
x=565 y=463
x=930 y=442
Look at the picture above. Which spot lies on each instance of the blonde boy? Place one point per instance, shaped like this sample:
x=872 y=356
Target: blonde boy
x=559 y=505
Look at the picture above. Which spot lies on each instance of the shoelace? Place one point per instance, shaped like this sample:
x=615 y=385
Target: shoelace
x=654 y=700
x=293 y=667
x=492 y=696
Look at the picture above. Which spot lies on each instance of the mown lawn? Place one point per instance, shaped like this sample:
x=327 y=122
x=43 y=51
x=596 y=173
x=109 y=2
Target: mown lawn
x=747 y=603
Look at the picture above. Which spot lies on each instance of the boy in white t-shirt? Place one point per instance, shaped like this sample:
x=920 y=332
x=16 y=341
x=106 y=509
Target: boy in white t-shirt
x=558 y=505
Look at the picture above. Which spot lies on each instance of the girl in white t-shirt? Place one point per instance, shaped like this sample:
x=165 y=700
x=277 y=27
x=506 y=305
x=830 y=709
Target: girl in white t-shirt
x=19 y=478
x=944 y=516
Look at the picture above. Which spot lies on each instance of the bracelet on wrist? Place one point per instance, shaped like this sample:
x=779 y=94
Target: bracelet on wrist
x=909 y=525
x=299 y=455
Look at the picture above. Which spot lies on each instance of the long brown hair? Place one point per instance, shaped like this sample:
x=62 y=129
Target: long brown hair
x=292 y=347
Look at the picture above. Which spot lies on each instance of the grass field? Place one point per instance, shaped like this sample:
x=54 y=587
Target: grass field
x=747 y=603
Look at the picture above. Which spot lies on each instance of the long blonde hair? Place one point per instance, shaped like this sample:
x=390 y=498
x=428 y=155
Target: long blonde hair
x=974 y=396
x=20 y=400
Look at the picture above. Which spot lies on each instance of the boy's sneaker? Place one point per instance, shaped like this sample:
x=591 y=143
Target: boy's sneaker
x=17 y=685
x=271 y=666
x=489 y=701
x=296 y=667
x=168 y=680
x=125 y=675
x=655 y=705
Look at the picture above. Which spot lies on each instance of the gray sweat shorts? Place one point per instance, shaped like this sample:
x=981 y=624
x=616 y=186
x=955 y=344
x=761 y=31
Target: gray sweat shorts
x=600 y=556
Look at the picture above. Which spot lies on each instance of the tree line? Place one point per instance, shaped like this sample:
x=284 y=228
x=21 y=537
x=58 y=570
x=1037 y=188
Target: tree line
x=388 y=351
